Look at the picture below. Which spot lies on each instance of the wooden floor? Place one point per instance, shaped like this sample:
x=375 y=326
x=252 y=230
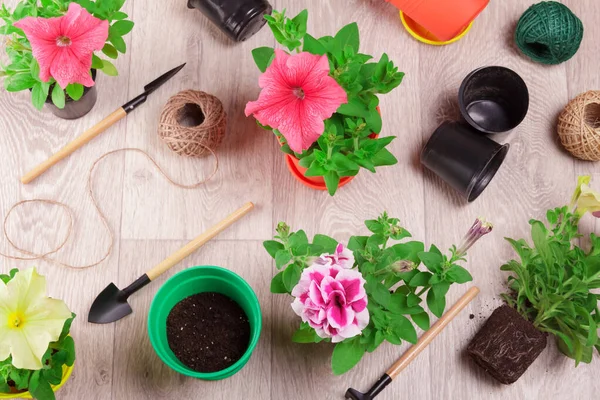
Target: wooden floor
x=151 y=218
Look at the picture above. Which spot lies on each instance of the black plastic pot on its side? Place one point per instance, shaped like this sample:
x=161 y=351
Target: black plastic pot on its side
x=75 y=109
x=493 y=99
x=239 y=19
x=463 y=158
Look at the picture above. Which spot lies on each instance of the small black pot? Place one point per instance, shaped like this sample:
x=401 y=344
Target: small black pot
x=493 y=99
x=75 y=109
x=239 y=19
x=463 y=158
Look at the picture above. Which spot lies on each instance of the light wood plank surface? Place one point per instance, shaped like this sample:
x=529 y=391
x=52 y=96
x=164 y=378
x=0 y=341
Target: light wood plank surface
x=151 y=219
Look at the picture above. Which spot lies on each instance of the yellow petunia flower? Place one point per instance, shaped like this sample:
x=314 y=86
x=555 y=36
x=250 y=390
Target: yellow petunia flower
x=585 y=199
x=29 y=321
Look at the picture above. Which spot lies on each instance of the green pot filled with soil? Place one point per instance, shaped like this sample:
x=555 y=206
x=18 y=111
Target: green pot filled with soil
x=205 y=322
x=507 y=345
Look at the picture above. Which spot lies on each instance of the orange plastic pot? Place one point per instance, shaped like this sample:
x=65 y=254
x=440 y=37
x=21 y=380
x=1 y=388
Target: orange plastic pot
x=314 y=182
x=444 y=19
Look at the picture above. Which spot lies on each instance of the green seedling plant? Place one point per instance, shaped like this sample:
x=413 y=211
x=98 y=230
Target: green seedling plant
x=21 y=72
x=58 y=354
x=349 y=141
x=403 y=281
x=553 y=283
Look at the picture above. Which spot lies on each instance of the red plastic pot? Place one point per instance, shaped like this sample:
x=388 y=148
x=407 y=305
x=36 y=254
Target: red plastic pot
x=445 y=19
x=314 y=182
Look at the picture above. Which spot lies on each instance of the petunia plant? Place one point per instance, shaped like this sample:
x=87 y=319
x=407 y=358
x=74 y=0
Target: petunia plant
x=34 y=336
x=319 y=96
x=51 y=43
x=554 y=283
x=364 y=294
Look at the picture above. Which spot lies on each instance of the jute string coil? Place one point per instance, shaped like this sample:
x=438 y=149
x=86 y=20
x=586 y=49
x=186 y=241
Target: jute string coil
x=30 y=255
x=192 y=122
x=579 y=126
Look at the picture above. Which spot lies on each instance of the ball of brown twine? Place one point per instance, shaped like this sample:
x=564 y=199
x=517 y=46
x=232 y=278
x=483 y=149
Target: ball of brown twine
x=579 y=126
x=193 y=123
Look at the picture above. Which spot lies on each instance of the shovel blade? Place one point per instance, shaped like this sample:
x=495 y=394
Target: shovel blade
x=110 y=306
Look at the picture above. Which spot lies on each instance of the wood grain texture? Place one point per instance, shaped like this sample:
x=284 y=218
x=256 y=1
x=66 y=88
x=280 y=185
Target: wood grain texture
x=151 y=219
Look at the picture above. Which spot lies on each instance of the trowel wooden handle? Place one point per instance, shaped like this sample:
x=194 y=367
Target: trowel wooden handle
x=428 y=336
x=198 y=242
x=74 y=145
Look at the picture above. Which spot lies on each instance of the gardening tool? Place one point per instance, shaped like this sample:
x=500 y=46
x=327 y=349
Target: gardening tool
x=100 y=127
x=493 y=99
x=464 y=158
x=415 y=350
x=111 y=304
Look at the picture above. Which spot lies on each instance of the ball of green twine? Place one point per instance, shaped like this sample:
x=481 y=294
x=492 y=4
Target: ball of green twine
x=549 y=33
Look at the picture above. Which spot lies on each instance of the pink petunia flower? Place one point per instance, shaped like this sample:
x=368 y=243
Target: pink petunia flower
x=332 y=300
x=342 y=257
x=297 y=96
x=63 y=46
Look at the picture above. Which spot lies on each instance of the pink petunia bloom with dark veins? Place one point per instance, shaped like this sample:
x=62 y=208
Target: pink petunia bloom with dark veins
x=63 y=46
x=297 y=96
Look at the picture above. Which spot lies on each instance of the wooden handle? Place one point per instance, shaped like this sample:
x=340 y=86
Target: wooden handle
x=74 y=145
x=195 y=244
x=428 y=336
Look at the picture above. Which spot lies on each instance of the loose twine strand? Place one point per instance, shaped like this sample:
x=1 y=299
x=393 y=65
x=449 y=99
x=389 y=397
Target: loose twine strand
x=46 y=256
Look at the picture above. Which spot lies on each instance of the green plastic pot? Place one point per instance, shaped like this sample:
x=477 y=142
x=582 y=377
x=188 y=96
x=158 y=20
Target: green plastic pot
x=187 y=283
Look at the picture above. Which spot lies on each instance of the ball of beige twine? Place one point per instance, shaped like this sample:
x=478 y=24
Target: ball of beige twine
x=193 y=123
x=579 y=126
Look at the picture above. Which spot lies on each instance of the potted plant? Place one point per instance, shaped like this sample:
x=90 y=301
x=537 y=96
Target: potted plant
x=550 y=292
x=51 y=44
x=320 y=99
x=361 y=295
x=36 y=351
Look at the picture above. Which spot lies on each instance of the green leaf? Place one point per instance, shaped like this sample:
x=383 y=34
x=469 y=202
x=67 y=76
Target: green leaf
x=404 y=329
x=432 y=260
x=20 y=81
x=282 y=257
x=75 y=90
x=277 y=285
x=58 y=96
x=272 y=247
x=373 y=120
x=66 y=328
x=420 y=279
x=109 y=69
x=40 y=389
x=119 y=15
x=118 y=42
x=39 y=94
x=458 y=274
x=348 y=36
x=384 y=157
x=263 y=57
x=332 y=180
x=328 y=244
x=69 y=347
x=539 y=234
x=346 y=355
x=35 y=70
x=343 y=163
x=300 y=20
x=297 y=239
x=422 y=320
x=121 y=28
x=291 y=276
x=306 y=334
x=313 y=46
x=97 y=62
x=110 y=51
x=354 y=108
x=436 y=298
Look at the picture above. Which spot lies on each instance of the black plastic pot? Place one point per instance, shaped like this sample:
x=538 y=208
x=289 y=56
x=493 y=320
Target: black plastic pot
x=493 y=99
x=75 y=109
x=463 y=158
x=239 y=19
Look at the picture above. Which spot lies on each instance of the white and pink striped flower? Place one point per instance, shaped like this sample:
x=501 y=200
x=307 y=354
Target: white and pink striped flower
x=342 y=257
x=332 y=300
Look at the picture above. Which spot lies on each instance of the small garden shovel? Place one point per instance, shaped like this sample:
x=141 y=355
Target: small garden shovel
x=415 y=350
x=111 y=305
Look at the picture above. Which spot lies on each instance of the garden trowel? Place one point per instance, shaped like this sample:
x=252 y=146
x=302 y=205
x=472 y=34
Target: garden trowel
x=111 y=305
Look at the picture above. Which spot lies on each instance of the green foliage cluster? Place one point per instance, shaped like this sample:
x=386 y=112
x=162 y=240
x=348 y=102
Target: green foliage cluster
x=552 y=284
x=22 y=71
x=59 y=353
x=395 y=284
x=348 y=142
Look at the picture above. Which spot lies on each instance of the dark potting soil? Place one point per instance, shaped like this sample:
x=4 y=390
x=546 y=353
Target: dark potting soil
x=506 y=345
x=208 y=332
